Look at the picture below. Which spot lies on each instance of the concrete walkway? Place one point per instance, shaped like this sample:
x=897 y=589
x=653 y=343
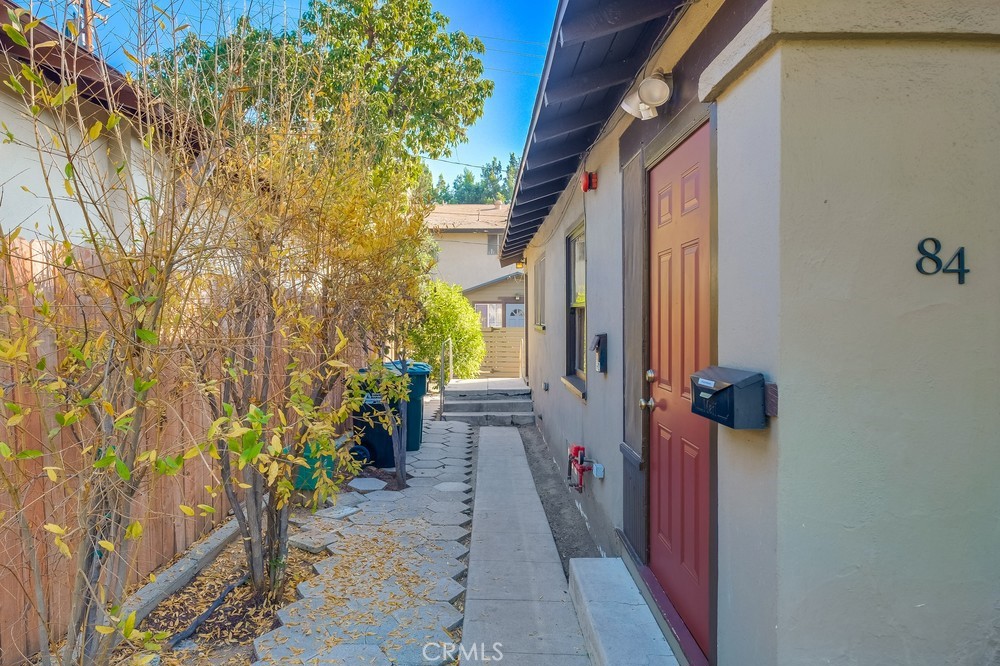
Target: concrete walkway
x=490 y=385
x=517 y=598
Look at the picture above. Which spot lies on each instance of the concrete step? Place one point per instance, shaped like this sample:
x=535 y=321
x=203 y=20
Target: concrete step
x=486 y=394
x=519 y=405
x=618 y=627
x=489 y=418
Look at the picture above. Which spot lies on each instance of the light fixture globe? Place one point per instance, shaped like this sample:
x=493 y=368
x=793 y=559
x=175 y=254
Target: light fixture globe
x=631 y=104
x=655 y=90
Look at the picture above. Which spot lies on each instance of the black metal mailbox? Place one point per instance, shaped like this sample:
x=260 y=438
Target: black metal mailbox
x=734 y=398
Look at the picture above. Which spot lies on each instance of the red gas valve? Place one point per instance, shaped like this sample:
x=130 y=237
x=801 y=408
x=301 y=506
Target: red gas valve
x=577 y=465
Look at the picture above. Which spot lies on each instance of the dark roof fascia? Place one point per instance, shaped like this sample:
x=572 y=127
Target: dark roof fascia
x=643 y=51
x=98 y=80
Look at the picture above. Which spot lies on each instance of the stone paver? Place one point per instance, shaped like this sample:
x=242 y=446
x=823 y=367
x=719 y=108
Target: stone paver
x=448 y=518
x=418 y=482
x=314 y=541
x=389 y=585
x=349 y=498
x=452 y=486
x=439 y=614
x=424 y=464
x=367 y=484
x=384 y=496
x=445 y=548
x=387 y=588
x=447 y=507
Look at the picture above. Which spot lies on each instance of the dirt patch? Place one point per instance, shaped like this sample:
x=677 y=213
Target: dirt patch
x=568 y=526
x=226 y=637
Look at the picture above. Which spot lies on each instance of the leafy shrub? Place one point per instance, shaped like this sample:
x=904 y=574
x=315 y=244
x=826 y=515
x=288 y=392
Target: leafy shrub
x=448 y=313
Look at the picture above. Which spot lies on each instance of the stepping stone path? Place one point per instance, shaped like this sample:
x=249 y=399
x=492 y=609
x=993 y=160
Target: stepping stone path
x=395 y=566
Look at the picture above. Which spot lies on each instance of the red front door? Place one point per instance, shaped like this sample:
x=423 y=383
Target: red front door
x=680 y=324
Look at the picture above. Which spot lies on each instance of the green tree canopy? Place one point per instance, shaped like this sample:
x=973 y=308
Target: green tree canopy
x=425 y=82
x=495 y=183
x=449 y=314
x=415 y=85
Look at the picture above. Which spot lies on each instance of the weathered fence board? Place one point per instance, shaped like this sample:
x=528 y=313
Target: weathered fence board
x=183 y=418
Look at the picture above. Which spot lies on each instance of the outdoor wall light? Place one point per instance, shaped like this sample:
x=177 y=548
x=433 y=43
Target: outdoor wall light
x=519 y=264
x=653 y=91
x=634 y=106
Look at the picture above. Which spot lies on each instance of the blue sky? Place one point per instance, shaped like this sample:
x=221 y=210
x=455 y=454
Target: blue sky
x=504 y=124
x=515 y=32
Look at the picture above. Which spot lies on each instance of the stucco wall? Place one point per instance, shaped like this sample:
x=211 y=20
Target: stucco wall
x=462 y=259
x=565 y=418
x=26 y=175
x=885 y=548
x=748 y=265
x=506 y=289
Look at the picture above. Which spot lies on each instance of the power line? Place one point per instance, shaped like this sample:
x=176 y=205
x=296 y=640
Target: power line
x=510 y=71
x=540 y=56
x=438 y=159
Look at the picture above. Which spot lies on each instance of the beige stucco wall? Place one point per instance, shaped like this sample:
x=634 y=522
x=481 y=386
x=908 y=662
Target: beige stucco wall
x=462 y=259
x=564 y=417
x=748 y=265
x=512 y=288
x=863 y=526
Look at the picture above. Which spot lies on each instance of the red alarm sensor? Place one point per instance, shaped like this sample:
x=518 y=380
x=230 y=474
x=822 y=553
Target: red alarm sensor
x=588 y=181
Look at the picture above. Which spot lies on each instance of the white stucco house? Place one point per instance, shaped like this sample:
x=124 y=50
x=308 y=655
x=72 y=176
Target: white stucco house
x=815 y=200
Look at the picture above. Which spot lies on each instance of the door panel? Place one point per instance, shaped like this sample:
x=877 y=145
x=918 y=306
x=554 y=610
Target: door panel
x=663 y=323
x=680 y=224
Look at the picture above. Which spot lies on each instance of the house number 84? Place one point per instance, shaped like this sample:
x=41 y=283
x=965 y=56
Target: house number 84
x=930 y=263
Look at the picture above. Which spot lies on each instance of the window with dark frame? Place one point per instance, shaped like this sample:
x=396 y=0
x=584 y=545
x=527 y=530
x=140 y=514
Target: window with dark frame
x=493 y=244
x=576 y=321
x=539 y=294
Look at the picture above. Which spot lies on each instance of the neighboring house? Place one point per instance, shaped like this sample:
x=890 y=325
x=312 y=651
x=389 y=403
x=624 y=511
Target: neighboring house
x=501 y=307
x=468 y=238
x=25 y=177
x=803 y=206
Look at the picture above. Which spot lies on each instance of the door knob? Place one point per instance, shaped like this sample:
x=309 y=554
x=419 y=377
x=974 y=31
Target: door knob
x=647 y=404
x=651 y=375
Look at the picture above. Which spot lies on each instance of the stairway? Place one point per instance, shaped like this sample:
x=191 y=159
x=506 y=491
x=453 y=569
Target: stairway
x=481 y=404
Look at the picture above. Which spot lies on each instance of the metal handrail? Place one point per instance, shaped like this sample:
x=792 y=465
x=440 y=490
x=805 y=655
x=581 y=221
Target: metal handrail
x=449 y=346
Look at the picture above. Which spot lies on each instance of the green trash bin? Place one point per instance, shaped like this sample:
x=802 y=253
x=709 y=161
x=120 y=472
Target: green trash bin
x=419 y=372
x=304 y=479
x=377 y=439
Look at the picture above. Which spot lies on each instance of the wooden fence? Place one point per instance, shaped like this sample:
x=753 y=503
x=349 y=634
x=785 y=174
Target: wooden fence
x=181 y=416
x=504 y=352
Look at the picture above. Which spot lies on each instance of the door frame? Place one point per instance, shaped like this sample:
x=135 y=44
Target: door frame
x=689 y=120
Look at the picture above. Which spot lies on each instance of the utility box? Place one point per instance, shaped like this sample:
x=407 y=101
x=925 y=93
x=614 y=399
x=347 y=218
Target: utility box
x=734 y=398
x=599 y=345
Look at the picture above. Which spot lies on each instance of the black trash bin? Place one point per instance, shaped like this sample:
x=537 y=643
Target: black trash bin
x=376 y=438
